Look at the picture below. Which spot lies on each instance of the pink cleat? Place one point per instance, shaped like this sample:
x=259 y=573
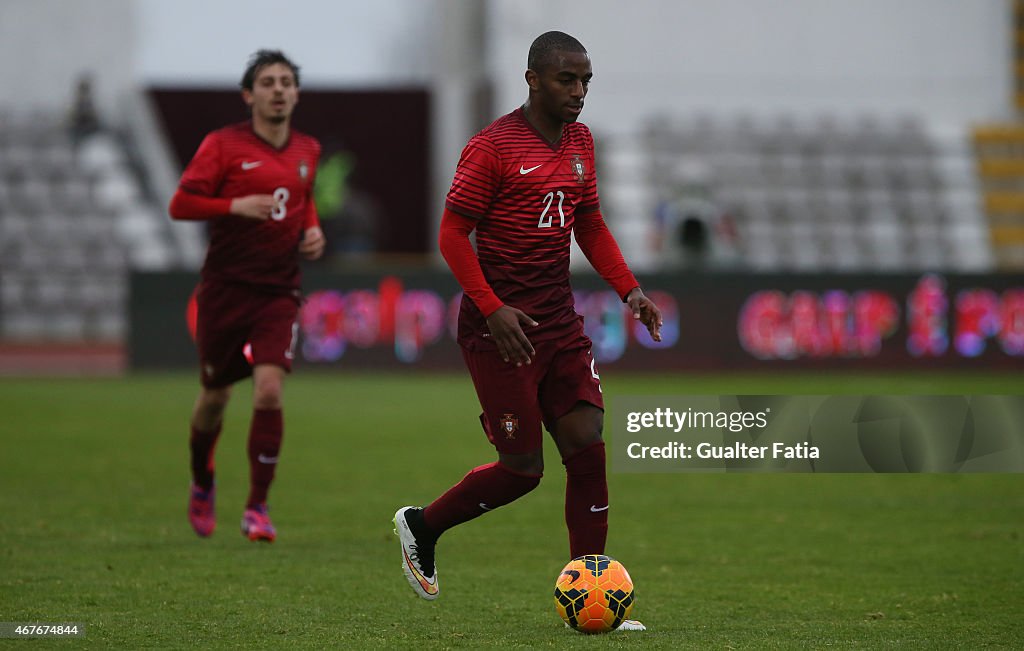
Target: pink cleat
x=200 y=510
x=256 y=524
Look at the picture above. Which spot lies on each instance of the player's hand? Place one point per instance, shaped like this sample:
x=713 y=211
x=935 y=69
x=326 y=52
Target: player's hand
x=645 y=311
x=506 y=326
x=313 y=242
x=253 y=206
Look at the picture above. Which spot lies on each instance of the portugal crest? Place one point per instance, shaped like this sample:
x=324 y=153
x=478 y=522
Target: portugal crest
x=510 y=424
x=578 y=168
x=303 y=170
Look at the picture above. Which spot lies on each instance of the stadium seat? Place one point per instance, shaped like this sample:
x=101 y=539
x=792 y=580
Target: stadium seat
x=898 y=171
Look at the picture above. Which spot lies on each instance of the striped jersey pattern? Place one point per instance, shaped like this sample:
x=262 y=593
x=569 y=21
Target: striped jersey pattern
x=525 y=193
x=234 y=162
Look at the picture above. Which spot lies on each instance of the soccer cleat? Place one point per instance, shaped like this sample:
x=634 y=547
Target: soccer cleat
x=417 y=552
x=626 y=625
x=256 y=524
x=200 y=510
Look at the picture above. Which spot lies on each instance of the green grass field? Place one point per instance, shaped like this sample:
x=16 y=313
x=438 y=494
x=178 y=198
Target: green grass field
x=93 y=491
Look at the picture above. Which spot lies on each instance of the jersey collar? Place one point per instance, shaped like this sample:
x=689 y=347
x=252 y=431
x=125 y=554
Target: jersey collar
x=554 y=146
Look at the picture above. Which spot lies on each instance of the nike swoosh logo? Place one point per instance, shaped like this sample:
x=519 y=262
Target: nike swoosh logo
x=429 y=585
x=485 y=507
x=523 y=170
x=573 y=573
x=248 y=165
x=262 y=458
x=598 y=510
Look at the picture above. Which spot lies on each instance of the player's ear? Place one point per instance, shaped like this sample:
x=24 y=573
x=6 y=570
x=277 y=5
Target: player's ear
x=532 y=80
x=247 y=97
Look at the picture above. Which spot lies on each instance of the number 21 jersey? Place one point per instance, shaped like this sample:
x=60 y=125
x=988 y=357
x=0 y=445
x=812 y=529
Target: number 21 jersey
x=525 y=193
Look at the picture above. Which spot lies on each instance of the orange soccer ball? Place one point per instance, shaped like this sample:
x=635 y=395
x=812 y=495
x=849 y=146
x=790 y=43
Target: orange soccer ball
x=593 y=594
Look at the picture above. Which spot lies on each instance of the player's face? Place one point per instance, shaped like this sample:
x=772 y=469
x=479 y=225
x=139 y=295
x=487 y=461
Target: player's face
x=563 y=85
x=274 y=93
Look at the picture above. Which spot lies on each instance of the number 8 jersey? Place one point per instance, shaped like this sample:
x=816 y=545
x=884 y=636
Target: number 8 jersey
x=525 y=194
x=234 y=162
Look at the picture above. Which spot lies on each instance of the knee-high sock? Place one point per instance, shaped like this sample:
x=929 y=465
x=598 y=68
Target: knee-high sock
x=483 y=489
x=586 y=500
x=265 y=434
x=202 y=445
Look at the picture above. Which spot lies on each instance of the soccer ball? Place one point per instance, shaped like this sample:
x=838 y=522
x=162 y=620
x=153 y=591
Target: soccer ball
x=593 y=594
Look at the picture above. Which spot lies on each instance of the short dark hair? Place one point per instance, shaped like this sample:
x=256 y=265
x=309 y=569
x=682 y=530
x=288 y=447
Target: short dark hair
x=262 y=58
x=544 y=46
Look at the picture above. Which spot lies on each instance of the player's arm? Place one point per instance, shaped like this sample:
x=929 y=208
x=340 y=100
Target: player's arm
x=476 y=180
x=313 y=241
x=603 y=252
x=196 y=207
x=505 y=322
x=196 y=198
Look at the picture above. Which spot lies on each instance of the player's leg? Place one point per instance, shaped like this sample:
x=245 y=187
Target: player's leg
x=219 y=340
x=512 y=422
x=270 y=350
x=483 y=489
x=206 y=422
x=573 y=407
x=266 y=430
x=578 y=437
x=574 y=411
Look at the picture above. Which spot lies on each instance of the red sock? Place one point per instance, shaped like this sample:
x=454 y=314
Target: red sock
x=483 y=489
x=264 y=444
x=586 y=501
x=202 y=445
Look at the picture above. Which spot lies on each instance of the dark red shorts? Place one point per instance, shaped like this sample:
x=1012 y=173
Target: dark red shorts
x=517 y=400
x=231 y=318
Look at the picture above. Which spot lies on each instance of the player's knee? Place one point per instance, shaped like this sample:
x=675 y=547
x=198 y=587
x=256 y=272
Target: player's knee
x=267 y=396
x=530 y=463
x=580 y=429
x=523 y=482
x=213 y=402
x=268 y=389
x=208 y=412
x=518 y=483
x=586 y=462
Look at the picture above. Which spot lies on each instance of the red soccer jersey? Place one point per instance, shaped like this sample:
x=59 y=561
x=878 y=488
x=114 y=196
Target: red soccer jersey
x=525 y=194
x=235 y=162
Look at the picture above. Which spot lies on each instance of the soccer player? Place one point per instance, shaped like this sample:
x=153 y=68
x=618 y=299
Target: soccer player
x=253 y=182
x=525 y=184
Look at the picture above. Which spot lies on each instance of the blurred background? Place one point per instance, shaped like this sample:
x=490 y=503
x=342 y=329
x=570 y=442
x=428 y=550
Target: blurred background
x=807 y=184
